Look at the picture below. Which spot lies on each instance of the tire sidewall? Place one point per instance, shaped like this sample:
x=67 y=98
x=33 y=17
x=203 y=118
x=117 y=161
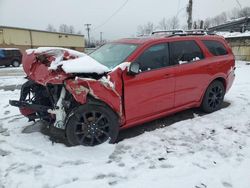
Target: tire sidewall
x=112 y=118
x=205 y=106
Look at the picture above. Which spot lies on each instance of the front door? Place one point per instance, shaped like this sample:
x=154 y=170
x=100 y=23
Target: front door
x=152 y=90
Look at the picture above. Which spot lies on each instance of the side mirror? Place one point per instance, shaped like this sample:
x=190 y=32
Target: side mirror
x=134 y=68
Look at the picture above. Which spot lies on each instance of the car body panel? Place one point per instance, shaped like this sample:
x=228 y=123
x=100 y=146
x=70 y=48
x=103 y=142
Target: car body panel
x=148 y=95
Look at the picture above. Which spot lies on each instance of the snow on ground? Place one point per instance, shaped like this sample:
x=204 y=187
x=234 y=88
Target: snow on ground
x=207 y=151
x=234 y=34
x=11 y=80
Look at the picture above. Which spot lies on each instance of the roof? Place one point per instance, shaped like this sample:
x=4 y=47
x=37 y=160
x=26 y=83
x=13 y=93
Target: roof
x=20 y=28
x=240 y=24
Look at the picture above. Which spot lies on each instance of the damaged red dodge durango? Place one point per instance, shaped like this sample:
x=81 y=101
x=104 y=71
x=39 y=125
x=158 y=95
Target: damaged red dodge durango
x=124 y=83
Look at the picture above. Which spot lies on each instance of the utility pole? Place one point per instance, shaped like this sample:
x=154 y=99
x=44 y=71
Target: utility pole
x=88 y=30
x=190 y=14
x=100 y=37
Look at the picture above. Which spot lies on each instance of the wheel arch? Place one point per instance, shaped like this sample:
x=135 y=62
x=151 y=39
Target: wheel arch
x=219 y=78
x=90 y=99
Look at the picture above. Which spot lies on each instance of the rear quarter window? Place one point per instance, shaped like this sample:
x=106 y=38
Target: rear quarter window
x=215 y=47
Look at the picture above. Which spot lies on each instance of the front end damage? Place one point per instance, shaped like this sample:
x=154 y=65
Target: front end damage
x=52 y=93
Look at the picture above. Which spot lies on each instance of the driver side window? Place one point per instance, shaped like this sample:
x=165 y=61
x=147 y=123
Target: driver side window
x=155 y=57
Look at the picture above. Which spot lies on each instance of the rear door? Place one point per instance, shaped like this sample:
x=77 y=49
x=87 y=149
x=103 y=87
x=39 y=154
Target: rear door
x=191 y=77
x=152 y=90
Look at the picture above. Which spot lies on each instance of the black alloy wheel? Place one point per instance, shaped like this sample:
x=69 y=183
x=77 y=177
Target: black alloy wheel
x=214 y=97
x=92 y=125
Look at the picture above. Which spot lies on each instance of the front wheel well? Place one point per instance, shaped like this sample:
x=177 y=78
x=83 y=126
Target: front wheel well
x=93 y=100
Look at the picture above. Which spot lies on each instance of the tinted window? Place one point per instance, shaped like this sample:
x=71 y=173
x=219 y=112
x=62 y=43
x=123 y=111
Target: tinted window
x=215 y=47
x=154 y=57
x=185 y=52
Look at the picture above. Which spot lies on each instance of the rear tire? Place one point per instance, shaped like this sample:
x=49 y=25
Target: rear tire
x=15 y=63
x=92 y=124
x=213 y=97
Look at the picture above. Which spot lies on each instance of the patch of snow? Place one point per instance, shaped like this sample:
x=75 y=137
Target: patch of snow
x=9 y=49
x=236 y=19
x=196 y=59
x=54 y=49
x=234 y=34
x=183 y=62
x=122 y=66
x=106 y=81
x=85 y=64
x=11 y=80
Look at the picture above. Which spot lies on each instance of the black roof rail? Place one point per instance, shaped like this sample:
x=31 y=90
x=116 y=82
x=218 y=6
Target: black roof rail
x=171 y=32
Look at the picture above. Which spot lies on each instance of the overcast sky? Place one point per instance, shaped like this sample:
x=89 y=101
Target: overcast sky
x=38 y=14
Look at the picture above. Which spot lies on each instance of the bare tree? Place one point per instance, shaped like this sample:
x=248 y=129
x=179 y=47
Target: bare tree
x=207 y=23
x=174 y=23
x=71 y=29
x=79 y=32
x=190 y=14
x=63 y=28
x=145 y=29
x=164 y=24
x=195 y=25
x=51 y=28
x=245 y=12
x=168 y=24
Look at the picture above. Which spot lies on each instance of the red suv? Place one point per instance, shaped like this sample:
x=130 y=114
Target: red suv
x=124 y=83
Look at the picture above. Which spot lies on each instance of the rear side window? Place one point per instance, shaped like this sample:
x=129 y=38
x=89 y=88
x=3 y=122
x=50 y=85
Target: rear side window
x=155 y=57
x=185 y=52
x=215 y=47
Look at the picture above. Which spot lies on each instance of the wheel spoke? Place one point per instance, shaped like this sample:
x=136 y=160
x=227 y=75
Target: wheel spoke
x=98 y=139
x=83 y=138
x=99 y=119
x=92 y=140
x=103 y=126
x=103 y=132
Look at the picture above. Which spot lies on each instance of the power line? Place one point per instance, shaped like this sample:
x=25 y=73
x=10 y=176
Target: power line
x=239 y=4
x=110 y=17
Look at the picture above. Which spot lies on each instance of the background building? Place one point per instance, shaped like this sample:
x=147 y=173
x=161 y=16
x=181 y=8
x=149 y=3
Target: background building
x=12 y=37
x=237 y=33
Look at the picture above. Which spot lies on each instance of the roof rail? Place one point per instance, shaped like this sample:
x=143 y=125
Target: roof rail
x=171 y=32
x=196 y=31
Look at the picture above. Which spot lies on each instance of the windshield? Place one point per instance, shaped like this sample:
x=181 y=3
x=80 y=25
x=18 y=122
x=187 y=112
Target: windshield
x=113 y=54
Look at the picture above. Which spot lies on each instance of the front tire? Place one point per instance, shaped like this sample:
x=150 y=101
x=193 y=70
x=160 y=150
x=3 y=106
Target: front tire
x=92 y=124
x=213 y=97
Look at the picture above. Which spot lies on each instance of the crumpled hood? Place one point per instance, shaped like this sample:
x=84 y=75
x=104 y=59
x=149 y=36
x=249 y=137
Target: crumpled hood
x=53 y=65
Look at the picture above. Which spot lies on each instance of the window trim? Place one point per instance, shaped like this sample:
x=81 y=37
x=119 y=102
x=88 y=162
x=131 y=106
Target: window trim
x=169 y=59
